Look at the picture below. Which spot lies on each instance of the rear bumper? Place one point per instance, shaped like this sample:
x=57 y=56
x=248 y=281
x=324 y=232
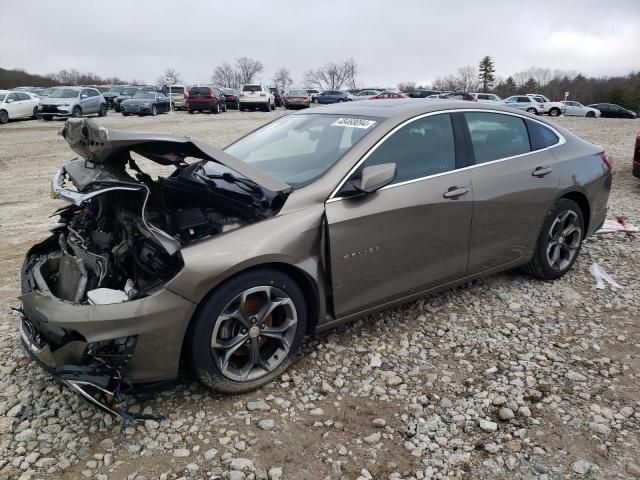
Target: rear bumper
x=201 y=105
x=254 y=103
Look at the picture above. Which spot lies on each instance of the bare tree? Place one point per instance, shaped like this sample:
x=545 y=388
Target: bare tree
x=407 y=87
x=333 y=76
x=169 y=72
x=282 y=78
x=247 y=69
x=466 y=79
x=225 y=76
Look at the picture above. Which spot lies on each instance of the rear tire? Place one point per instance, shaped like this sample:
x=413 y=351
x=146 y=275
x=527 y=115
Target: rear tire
x=559 y=242
x=532 y=110
x=233 y=349
x=154 y=110
x=35 y=115
x=216 y=108
x=103 y=111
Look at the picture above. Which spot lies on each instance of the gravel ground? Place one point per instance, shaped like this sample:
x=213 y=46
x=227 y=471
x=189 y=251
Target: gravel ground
x=506 y=377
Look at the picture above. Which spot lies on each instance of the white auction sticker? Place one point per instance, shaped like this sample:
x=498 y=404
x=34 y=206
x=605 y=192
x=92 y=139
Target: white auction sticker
x=354 y=123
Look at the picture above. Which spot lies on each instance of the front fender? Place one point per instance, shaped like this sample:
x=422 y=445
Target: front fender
x=292 y=238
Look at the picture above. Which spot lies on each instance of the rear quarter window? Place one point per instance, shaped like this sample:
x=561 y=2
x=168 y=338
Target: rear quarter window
x=541 y=136
x=495 y=136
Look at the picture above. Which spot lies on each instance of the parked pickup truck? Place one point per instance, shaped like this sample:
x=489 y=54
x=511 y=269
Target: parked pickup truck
x=553 y=109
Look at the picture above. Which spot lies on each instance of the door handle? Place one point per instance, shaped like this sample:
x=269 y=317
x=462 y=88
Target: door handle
x=541 y=171
x=455 y=192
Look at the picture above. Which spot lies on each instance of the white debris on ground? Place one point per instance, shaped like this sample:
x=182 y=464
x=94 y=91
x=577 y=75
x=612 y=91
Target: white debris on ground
x=507 y=377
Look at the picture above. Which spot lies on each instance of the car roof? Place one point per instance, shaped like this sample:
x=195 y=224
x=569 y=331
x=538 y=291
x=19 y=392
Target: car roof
x=403 y=107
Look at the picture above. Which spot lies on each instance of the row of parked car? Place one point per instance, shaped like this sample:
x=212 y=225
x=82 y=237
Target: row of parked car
x=73 y=101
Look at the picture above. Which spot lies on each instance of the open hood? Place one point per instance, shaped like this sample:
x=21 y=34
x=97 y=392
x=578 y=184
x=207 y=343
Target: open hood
x=99 y=145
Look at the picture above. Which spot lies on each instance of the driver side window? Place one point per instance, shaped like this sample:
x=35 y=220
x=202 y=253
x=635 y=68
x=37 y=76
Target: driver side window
x=421 y=148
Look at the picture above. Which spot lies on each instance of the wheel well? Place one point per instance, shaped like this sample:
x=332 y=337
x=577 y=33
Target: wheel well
x=583 y=203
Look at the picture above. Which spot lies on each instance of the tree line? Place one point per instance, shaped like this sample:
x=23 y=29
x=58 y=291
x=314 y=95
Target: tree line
x=623 y=90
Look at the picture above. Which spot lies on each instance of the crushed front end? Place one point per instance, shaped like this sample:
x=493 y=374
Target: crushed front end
x=96 y=312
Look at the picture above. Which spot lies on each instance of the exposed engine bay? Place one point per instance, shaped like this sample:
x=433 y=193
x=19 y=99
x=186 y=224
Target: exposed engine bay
x=121 y=236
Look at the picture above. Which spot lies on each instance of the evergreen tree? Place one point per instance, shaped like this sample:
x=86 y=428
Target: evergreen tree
x=486 y=70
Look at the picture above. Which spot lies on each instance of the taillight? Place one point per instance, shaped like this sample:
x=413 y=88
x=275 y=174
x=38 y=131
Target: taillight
x=606 y=160
x=263 y=94
x=541 y=106
x=242 y=94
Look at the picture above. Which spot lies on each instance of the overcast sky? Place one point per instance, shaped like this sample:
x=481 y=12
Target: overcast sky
x=391 y=41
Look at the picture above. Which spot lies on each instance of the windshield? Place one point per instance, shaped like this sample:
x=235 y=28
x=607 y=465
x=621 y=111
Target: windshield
x=130 y=91
x=117 y=89
x=228 y=91
x=2 y=96
x=297 y=149
x=143 y=94
x=64 y=93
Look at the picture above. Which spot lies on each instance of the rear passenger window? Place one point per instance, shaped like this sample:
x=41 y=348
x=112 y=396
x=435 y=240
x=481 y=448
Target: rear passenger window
x=541 y=136
x=421 y=148
x=495 y=136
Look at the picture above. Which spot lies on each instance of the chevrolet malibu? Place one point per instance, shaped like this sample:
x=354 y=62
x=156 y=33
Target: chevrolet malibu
x=317 y=218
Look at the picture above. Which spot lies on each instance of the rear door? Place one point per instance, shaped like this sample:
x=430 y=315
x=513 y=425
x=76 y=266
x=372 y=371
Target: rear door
x=514 y=182
x=409 y=236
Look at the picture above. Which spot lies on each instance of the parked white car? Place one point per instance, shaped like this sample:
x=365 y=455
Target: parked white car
x=366 y=94
x=255 y=95
x=577 y=109
x=15 y=105
x=552 y=109
x=485 y=97
x=523 y=102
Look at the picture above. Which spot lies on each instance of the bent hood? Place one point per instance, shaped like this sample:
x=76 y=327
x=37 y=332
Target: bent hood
x=98 y=145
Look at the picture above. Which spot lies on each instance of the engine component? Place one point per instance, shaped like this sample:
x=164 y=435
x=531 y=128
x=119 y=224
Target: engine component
x=72 y=279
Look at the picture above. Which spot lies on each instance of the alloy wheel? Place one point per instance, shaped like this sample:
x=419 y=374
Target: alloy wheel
x=254 y=333
x=4 y=116
x=564 y=239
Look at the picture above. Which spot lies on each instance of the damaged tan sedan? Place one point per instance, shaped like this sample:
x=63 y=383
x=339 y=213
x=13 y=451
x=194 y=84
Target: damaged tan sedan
x=317 y=218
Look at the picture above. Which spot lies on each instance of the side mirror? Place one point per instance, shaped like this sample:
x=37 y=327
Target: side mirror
x=375 y=177
x=84 y=95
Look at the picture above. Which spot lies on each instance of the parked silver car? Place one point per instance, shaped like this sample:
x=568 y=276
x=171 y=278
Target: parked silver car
x=524 y=102
x=320 y=217
x=73 y=102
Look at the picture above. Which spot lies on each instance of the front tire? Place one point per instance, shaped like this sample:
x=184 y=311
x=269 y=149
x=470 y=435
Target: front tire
x=554 y=112
x=76 y=112
x=35 y=115
x=103 y=111
x=559 y=242
x=4 y=117
x=591 y=115
x=248 y=331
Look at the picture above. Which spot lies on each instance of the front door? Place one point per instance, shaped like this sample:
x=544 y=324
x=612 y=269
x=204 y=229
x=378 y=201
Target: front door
x=409 y=236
